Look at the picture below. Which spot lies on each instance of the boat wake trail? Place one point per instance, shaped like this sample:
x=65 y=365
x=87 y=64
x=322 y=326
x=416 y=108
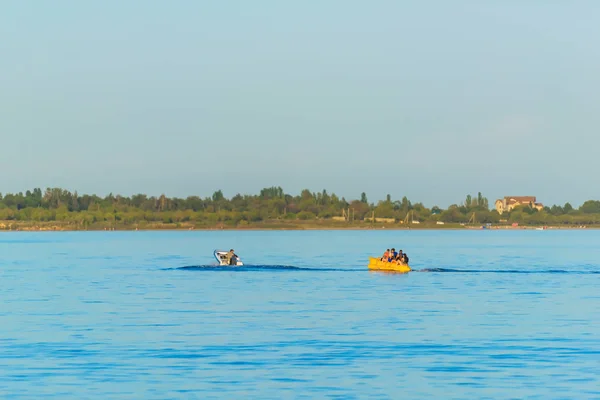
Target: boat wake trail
x=266 y=268
x=247 y=268
x=509 y=271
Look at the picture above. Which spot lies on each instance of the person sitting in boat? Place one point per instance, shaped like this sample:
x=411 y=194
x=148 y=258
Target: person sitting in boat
x=401 y=258
x=393 y=255
x=386 y=255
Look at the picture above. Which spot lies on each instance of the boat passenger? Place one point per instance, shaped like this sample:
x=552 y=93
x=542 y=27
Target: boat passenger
x=393 y=255
x=405 y=258
x=230 y=257
x=386 y=255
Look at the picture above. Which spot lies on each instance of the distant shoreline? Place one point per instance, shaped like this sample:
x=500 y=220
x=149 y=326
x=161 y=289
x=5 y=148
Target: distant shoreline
x=25 y=226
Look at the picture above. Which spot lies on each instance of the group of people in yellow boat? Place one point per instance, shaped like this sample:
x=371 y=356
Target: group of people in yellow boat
x=395 y=257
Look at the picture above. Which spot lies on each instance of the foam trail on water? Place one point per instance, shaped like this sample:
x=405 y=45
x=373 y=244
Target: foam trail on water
x=507 y=271
x=256 y=268
x=249 y=268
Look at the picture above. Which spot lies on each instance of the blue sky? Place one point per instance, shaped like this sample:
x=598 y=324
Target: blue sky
x=429 y=100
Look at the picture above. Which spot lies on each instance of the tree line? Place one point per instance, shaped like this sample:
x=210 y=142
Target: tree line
x=271 y=204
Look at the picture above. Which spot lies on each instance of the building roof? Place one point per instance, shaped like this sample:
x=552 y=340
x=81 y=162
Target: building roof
x=521 y=199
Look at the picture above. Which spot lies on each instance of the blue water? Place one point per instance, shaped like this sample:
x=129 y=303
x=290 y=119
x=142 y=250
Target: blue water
x=143 y=315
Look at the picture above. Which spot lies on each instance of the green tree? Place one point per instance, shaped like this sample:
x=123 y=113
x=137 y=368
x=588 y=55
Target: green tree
x=218 y=196
x=567 y=208
x=590 y=207
x=384 y=209
x=363 y=197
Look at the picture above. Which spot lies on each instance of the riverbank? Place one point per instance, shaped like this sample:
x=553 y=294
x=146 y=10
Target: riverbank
x=265 y=225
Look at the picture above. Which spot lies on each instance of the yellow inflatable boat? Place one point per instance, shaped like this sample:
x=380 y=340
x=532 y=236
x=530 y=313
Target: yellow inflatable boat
x=376 y=264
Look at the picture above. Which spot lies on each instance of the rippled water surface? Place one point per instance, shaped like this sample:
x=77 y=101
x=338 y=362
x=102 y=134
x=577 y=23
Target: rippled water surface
x=144 y=315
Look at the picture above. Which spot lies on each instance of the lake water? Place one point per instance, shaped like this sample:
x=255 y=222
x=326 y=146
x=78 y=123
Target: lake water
x=142 y=315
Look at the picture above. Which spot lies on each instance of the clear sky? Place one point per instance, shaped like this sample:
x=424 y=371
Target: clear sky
x=428 y=99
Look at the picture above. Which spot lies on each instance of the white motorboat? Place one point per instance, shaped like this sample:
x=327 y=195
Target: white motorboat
x=221 y=256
